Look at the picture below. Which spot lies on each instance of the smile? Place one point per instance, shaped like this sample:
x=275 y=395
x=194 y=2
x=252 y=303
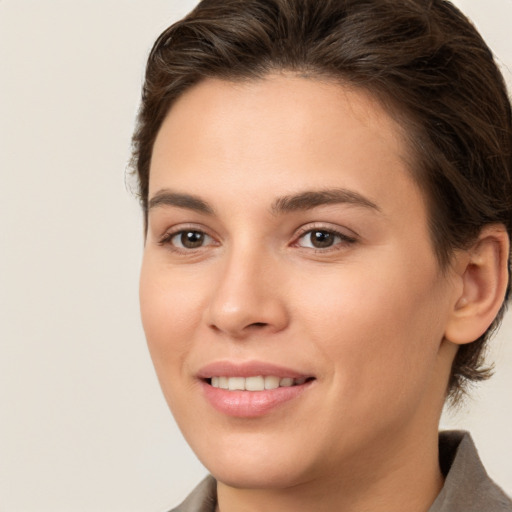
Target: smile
x=256 y=383
x=252 y=389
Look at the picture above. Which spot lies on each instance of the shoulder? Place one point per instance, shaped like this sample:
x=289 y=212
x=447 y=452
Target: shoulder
x=202 y=499
x=467 y=487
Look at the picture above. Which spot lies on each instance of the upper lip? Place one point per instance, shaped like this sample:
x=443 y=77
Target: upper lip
x=248 y=369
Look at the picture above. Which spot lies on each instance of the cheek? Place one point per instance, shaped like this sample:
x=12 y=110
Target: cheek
x=169 y=312
x=380 y=329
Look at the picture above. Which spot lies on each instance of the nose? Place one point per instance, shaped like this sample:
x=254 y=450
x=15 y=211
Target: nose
x=249 y=297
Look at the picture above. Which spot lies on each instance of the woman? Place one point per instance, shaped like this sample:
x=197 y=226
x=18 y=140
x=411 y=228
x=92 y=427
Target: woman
x=327 y=194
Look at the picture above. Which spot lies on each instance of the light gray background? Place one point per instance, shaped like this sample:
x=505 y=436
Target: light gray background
x=83 y=425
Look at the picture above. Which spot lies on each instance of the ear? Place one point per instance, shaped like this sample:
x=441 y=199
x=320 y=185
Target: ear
x=483 y=273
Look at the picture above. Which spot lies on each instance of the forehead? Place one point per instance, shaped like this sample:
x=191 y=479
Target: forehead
x=310 y=106
x=282 y=133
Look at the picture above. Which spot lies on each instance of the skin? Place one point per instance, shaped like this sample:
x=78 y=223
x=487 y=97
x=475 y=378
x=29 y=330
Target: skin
x=367 y=316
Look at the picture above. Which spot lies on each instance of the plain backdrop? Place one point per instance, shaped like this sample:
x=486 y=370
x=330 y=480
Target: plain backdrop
x=83 y=425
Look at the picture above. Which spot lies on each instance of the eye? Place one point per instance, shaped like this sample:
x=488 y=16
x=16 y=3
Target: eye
x=322 y=239
x=187 y=239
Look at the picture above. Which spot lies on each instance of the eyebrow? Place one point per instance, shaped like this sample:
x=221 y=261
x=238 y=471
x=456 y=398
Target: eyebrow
x=179 y=200
x=306 y=200
x=311 y=199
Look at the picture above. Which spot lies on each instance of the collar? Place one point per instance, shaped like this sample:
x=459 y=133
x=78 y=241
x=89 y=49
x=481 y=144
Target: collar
x=467 y=487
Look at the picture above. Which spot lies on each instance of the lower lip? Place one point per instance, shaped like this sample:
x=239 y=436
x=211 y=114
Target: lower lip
x=251 y=404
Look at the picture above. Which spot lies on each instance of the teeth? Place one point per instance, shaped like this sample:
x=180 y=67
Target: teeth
x=271 y=382
x=236 y=384
x=256 y=383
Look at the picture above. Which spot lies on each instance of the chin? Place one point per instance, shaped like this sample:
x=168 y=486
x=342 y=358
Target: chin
x=255 y=465
x=249 y=475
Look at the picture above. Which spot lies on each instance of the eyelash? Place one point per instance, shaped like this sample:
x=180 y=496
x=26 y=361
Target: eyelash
x=166 y=239
x=344 y=239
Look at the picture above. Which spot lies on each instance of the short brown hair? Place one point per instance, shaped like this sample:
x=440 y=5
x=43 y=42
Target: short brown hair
x=423 y=58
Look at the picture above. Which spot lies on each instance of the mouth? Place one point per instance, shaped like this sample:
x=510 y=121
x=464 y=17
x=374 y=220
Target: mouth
x=252 y=389
x=255 y=383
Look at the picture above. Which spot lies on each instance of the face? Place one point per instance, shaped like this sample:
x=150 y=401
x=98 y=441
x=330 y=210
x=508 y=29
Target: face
x=288 y=259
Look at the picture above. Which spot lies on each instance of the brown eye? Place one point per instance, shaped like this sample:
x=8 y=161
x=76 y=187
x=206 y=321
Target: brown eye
x=190 y=239
x=323 y=239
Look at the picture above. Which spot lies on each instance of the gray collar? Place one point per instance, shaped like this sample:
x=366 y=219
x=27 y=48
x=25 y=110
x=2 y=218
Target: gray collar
x=467 y=487
x=202 y=499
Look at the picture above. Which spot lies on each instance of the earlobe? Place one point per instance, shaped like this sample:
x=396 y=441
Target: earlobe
x=483 y=271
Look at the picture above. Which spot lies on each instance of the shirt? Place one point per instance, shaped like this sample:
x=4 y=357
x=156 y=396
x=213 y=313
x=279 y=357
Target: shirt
x=467 y=487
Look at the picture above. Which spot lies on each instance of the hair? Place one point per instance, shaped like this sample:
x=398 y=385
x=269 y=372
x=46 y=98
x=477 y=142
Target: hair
x=422 y=59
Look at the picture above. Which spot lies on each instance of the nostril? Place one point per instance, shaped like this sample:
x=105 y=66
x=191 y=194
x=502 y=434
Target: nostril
x=258 y=324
